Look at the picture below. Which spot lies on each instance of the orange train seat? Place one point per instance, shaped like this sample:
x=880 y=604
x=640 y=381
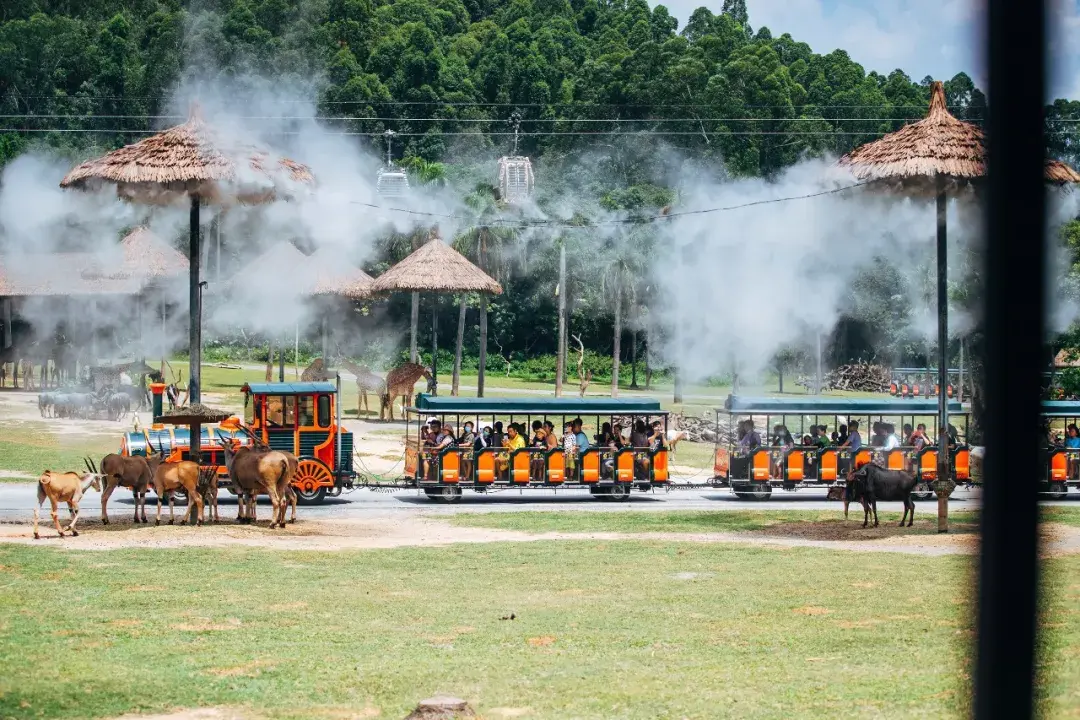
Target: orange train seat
x=893 y=389
x=962 y=465
x=485 y=468
x=862 y=457
x=896 y=460
x=1059 y=467
x=796 y=466
x=660 y=472
x=905 y=390
x=556 y=467
x=624 y=467
x=590 y=466
x=721 y=462
x=451 y=467
x=828 y=462
x=928 y=465
x=759 y=465
x=519 y=466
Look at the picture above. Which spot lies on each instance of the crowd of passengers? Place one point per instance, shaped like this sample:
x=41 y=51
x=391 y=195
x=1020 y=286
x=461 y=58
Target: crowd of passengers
x=884 y=436
x=436 y=436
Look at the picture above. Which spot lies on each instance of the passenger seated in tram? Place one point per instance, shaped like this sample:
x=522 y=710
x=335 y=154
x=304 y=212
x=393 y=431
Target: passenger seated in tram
x=782 y=440
x=580 y=438
x=657 y=439
x=465 y=442
x=639 y=440
x=484 y=439
x=498 y=437
x=918 y=439
x=439 y=438
x=853 y=438
x=513 y=441
x=877 y=435
x=551 y=439
x=841 y=436
x=892 y=441
x=536 y=461
x=570 y=453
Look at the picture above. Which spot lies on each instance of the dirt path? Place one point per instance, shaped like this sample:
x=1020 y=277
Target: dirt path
x=395 y=532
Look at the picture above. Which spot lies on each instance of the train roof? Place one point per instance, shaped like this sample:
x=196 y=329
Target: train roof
x=537 y=406
x=298 y=388
x=836 y=405
x=1061 y=408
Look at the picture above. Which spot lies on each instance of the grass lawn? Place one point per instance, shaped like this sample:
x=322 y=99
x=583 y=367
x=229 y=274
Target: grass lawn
x=31 y=448
x=601 y=630
x=702 y=521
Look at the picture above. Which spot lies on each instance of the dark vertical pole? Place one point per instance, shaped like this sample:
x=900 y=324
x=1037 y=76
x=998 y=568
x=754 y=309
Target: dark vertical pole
x=482 y=360
x=943 y=351
x=560 y=359
x=1014 y=315
x=194 y=307
x=281 y=362
x=435 y=344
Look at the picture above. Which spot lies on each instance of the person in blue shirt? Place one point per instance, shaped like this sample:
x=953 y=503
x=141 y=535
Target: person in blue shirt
x=854 y=438
x=580 y=437
x=1072 y=437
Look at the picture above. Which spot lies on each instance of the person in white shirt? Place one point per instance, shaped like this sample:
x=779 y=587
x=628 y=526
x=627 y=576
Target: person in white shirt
x=891 y=440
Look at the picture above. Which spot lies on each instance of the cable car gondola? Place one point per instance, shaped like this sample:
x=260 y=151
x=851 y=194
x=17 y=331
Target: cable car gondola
x=515 y=172
x=392 y=181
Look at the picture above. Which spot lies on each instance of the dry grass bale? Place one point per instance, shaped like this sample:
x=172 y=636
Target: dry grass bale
x=441 y=707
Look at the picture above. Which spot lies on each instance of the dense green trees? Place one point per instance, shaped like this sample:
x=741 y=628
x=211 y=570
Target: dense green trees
x=612 y=80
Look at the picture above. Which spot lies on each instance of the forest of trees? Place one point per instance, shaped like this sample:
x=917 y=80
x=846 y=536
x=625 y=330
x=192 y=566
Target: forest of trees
x=613 y=78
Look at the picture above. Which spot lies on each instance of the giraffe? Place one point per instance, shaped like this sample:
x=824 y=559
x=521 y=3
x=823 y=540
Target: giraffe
x=400 y=382
x=315 y=372
x=366 y=381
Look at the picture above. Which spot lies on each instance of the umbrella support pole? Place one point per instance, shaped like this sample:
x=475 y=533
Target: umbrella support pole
x=482 y=360
x=434 y=344
x=943 y=352
x=194 y=309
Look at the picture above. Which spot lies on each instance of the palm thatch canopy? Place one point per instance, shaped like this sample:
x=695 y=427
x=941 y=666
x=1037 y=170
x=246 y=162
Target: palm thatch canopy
x=191 y=160
x=937 y=145
x=332 y=277
x=147 y=255
x=436 y=267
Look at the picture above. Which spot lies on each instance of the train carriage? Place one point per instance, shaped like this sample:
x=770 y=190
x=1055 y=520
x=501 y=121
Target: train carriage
x=607 y=474
x=1062 y=461
x=754 y=473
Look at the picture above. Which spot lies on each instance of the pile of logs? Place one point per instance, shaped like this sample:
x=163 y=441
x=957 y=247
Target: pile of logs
x=863 y=377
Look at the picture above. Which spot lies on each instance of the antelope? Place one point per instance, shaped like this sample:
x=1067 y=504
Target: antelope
x=131 y=472
x=167 y=477
x=66 y=487
x=247 y=500
x=254 y=471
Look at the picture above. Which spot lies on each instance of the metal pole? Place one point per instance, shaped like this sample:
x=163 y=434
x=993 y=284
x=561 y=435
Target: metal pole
x=414 y=321
x=1014 y=313
x=943 y=351
x=960 y=380
x=281 y=362
x=194 y=309
x=817 y=383
x=296 y=350
x=482 y=360
x=337 y=427
x=325 y=342
x=560 y=359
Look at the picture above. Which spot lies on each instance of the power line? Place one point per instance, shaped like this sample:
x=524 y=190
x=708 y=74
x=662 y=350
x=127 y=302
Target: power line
x=646 y=220
x=567 y=133
x=358 y=118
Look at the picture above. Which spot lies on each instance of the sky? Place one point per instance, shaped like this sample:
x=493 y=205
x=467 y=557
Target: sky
x=922 y=37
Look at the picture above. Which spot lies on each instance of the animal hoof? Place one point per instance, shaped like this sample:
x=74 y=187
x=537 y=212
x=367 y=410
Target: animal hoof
x=104 y=521
x=157 y=522
x=74 y=533
x=37 y=536
x=171 y=521
x=293 y=521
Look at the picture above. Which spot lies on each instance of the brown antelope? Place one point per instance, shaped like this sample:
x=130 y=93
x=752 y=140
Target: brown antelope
x=171 y=476
x=120 y=471
x=256 y=471
x=66 y=487
x=246 y=501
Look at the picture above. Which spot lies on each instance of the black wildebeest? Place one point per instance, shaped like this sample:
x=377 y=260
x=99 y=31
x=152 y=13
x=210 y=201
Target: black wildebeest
x=872 y=483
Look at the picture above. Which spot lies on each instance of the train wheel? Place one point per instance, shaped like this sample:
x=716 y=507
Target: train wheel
x=311 y=481
x=1055 y=490
x=754 y=494
x=446 y=493
x=922 y=491
x=619 y=493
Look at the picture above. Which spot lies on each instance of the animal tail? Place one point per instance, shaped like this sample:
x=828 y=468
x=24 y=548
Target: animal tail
x=284 y=472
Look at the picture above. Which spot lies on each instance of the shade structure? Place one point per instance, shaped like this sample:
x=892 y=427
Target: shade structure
x=147 y=255
x=194 y=416
x=436 y=267
x=202 y=165
x=938 y=151
x=334 y=277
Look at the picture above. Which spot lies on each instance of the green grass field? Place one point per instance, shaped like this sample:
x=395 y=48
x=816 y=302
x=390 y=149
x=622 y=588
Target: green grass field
x=30 y=448
x=601 y=630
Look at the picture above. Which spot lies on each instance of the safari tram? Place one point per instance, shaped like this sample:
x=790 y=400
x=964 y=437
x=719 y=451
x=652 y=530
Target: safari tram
x=444 y=473
x=1063 y=462
x=754 y=472
x=302 y=418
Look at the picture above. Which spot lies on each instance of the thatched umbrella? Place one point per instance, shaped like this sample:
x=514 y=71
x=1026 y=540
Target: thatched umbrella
x=934 y=153
x=194 y=416
x=333 y=278
x=436 y=268
x=193 y=162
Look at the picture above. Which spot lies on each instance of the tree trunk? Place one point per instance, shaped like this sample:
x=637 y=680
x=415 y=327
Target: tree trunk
x=194 y=306
x=482 y=359
x=434 y=344
x=648 y=365
x=414 y=322
x=455 y=385
x=617 y=350
x=633 y=360
x=560 y=358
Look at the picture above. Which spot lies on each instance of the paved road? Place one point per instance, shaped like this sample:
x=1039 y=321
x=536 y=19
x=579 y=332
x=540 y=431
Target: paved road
x=17 y=502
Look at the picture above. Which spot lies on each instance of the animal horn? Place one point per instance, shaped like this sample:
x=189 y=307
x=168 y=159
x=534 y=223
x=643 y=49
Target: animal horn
x=86 y=462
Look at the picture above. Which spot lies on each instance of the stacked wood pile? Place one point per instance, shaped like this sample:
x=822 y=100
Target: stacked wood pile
x=864 y=377
x=698 y=429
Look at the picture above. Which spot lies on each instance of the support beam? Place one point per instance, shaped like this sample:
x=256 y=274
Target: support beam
x=194 y=307
x=560 y=359
x=1014 y=314
x=414 y=321
x=944 y=466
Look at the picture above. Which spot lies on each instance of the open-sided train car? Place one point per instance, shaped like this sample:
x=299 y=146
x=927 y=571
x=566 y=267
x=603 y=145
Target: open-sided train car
x=1062 y=461
x=754 y=473
x=302 y=418
x=607 y=474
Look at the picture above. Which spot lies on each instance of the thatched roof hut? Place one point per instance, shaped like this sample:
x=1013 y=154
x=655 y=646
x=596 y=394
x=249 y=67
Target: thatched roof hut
x=436 y=267
x=147 y=255
x=937 y=145
x=64 y=275
x=332 y=277
x=188 y=160
x=281 y=261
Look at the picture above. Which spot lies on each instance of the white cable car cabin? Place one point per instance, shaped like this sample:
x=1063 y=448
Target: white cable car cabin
x=515 y=178
x=392 y=182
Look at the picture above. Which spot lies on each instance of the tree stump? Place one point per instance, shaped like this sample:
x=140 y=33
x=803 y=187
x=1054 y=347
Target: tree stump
x=441 y=707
